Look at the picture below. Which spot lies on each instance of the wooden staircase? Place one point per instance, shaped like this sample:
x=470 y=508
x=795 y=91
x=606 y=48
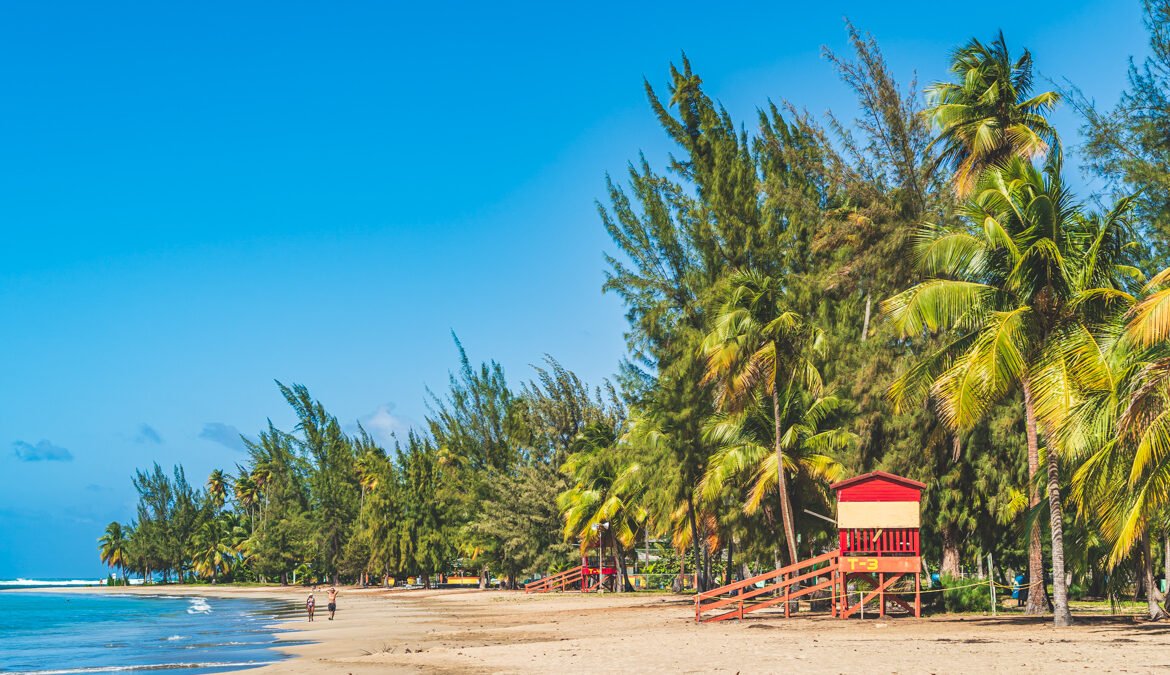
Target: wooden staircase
x=571 y=579
x=780 y=587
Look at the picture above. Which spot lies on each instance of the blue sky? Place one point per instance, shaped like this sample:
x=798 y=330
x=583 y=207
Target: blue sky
x=199 y=198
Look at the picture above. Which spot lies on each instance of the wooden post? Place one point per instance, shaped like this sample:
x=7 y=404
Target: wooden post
x=881 y=594
x=991 y=582
x=833 y=593
x=784 y=577
x=917 y=595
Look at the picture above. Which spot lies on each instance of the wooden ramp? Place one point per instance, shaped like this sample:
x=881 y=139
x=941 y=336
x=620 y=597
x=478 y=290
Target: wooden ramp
x=779 y=587
x=572 y=579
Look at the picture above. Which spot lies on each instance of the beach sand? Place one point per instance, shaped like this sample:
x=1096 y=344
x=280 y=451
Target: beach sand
x=471 y=631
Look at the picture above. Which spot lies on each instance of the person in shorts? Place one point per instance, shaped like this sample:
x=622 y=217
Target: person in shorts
x=332 y=601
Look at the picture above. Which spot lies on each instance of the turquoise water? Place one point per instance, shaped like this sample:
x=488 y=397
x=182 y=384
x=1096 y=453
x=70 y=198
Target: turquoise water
x=66 y=633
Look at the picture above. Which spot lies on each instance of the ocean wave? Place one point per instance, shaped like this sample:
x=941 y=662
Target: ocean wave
x=199 y=606
x=176 y=637
x=146 y=666
x=50 y=582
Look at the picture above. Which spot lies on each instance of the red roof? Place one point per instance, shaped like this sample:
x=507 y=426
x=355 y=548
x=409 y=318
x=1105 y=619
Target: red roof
x=875 y=475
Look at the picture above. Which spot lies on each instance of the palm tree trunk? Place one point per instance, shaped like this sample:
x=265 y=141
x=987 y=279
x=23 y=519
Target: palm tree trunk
x=1153 y=596
x=1037 y=589
x=1060 y=612
x=781 y=481
x=623 y=581
x=950 y=552
x=1166 y=557
x=700 y=584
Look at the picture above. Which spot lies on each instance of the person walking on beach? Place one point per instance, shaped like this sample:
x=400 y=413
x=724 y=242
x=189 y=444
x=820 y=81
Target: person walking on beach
x=310 y=605
x=332 y=601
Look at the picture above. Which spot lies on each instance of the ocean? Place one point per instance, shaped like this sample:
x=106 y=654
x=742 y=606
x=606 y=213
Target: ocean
x=67 y=633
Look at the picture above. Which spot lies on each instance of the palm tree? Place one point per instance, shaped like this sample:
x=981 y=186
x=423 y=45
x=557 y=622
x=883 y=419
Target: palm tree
x=1122 y=427
x=217 y=489
x=759 y=344
x=1026 y=273
x=366 y=466
x=987 y=115
x=605 y=495
x=112 y=548
x=247 y=494
x=261 y=476
x=744 y=446
x=213 y=554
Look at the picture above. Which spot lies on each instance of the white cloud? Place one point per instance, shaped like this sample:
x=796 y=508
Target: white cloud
x=383 y=424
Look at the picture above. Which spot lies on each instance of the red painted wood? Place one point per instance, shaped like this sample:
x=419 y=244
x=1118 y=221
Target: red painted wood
x=878 y=486
x=879 y=490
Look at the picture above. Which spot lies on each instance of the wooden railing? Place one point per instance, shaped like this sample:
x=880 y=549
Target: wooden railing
x=781 y=586
x=901 y=541
x=571 y=579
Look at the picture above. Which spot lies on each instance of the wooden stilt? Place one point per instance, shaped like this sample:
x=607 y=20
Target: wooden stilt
x=917 y=595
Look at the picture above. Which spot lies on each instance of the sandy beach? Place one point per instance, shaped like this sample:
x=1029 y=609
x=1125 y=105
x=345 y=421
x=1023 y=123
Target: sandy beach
x=471 y=631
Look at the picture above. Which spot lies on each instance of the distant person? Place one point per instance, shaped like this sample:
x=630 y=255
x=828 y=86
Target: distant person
x=1020 y=590
x=310 y=605
x=332 y=601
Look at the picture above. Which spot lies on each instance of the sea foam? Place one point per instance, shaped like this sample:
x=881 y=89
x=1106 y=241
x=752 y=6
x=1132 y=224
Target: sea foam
x=199 y=606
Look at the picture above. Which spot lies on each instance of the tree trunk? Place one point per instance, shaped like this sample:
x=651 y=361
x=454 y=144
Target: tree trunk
x=706 y=565
x=781 y=481
x=622 y=582
x=1060 y=612
x=950 y=553
x=700 y=586
x=1037 y=589
x=730 y=558
x=1153 y=596
x=1166 y=558
x=865 y=326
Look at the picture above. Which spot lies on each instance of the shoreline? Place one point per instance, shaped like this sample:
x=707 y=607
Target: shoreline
x=471 y=631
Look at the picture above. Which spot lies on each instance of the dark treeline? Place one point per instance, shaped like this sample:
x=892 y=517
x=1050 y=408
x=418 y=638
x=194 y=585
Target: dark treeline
x=916 y=290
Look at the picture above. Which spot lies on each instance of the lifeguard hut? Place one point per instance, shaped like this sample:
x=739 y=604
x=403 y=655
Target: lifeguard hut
x=878 y=519
x=586 y=577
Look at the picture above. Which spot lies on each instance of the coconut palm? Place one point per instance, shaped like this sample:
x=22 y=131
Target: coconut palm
x=366 y=466
x=247 y=494
x=745 y=451
x=113 y=548
x=213 y=554
x=1022 y=276
x=759 y=344
x=261 y=476
x=605 y=495
x=1123 y=425
x=217 y=489
x=988 y=115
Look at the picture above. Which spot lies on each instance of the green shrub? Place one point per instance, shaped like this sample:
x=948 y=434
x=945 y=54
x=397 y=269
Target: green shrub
x=960 y=595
